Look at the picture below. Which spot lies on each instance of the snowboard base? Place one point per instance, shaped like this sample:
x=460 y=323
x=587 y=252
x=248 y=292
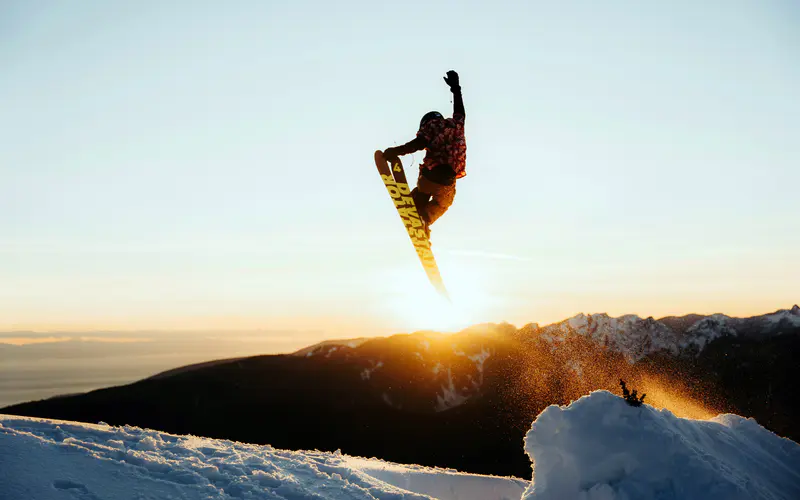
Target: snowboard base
x=394 y=178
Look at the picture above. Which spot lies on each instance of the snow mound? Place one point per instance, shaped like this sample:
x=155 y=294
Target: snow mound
x=56 y=460
x=599 y=448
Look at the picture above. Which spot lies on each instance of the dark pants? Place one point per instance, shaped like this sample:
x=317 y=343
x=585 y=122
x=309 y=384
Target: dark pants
x=432 y=199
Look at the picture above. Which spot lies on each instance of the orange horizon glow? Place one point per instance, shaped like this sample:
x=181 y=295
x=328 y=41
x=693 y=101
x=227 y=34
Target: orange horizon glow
x=20 y=341
x=400 y=313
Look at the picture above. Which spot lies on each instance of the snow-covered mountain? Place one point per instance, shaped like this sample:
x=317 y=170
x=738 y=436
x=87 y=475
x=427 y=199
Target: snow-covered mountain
x=635 y=337
x=597 y=448
x=385 y=396
x=453 y=370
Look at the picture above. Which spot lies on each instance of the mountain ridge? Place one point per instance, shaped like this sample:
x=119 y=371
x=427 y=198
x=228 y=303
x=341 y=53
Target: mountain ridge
x=409 y=397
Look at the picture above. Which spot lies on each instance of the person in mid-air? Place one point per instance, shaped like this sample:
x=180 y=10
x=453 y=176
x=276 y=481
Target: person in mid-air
x=445 y=157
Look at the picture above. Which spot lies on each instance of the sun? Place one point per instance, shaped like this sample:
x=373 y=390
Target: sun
x=415 y=305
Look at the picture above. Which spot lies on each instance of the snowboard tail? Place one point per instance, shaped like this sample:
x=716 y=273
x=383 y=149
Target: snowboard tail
x=394 y=179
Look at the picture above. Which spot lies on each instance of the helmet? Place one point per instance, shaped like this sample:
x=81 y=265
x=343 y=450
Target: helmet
x=429 y=116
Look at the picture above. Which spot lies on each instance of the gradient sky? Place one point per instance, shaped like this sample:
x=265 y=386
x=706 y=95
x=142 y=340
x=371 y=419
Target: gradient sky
x=198 y=164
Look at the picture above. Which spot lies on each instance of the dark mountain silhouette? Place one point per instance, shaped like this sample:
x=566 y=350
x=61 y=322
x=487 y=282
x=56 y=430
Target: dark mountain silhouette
x=463 y=400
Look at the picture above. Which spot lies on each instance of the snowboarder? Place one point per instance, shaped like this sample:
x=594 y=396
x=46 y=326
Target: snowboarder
x=445 y=157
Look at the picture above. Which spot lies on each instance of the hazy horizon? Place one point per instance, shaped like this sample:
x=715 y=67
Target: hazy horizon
x=37 y=365
x=50 y=364
x=321 y=334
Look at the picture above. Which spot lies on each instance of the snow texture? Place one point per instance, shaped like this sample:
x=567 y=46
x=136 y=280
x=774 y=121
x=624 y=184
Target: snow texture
x=599 y=448
x=450 y=397
x=366 y=373
x=56 y=460
x=441 y=483
x=479 y=360
x=630 y=335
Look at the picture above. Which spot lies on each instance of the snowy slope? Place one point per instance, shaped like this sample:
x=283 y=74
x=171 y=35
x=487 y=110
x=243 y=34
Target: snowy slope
x=599 y=448
x=56 y=460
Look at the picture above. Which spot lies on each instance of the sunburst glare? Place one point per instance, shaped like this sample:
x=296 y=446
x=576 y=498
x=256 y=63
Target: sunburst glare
x=415 y=305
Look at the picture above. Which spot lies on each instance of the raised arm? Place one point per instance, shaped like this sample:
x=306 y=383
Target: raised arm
x=458 y=102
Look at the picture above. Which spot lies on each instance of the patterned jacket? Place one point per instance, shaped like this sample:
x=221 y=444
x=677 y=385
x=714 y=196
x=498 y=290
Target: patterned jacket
x=444 y=144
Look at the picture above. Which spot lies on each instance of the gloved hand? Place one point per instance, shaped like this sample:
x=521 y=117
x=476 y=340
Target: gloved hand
x=452 y=80
x=390 y=154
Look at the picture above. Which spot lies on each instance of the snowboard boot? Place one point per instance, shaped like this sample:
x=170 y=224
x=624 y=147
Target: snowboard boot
x=426 y=227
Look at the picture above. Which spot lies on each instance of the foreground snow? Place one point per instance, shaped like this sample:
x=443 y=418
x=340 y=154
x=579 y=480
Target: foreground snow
x=56 y=460
x=599 y=448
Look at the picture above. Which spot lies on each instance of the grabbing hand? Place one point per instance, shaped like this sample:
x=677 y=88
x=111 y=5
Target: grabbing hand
x=390 y=154
x=451 y=79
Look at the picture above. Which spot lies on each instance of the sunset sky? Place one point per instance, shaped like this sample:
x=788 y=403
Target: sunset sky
x=208 y=165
